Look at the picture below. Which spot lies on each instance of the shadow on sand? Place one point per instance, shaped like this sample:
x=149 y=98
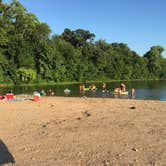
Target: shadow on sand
x=5 y=156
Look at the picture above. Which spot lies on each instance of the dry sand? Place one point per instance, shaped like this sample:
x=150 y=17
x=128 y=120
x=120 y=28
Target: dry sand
x=64 y=131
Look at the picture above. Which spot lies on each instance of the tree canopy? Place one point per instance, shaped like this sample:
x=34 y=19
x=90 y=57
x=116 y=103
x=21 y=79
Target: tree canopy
x=29 y=53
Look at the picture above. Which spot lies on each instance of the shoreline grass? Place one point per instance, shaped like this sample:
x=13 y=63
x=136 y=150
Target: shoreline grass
x=75 y=82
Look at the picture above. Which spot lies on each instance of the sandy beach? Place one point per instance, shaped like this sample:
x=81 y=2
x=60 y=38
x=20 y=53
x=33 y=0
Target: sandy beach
x=66 y=131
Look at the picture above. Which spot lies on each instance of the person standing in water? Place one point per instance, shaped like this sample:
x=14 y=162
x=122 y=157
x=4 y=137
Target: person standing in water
x=104 y=89
x=82 y=89
x=133 y=93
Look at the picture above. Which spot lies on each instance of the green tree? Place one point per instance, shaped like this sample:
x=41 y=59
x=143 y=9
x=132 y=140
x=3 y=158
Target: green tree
x=78 y=37
x=25 y=75
x=140 y=70
x=163 y=69
x=154 y=58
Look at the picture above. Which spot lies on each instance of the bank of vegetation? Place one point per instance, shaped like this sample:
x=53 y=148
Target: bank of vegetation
x=29 y=54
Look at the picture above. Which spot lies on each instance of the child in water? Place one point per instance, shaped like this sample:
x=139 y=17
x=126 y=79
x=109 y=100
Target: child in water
x=92 y=87
x=51 y=92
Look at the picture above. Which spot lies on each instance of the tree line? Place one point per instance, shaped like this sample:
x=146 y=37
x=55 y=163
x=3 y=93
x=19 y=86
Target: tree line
x=28 y=53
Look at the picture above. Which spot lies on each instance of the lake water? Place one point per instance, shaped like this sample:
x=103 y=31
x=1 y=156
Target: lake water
x=144 y=89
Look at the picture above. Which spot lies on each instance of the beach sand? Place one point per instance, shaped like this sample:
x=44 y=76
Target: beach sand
x=66 y=131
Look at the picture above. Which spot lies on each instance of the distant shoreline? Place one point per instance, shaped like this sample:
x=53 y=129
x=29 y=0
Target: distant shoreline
x=74 y=82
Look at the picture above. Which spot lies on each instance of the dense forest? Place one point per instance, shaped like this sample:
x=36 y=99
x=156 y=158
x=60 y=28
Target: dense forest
x=29 y=54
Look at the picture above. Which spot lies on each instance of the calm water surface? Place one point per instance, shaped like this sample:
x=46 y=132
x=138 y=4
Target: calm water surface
x=144 y=89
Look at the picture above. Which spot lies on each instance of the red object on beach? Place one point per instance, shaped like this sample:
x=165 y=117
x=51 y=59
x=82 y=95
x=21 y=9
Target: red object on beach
x=9 y=96
x=36 y=98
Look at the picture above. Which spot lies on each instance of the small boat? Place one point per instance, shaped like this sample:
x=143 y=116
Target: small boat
x=86 y=89
x=124 y=93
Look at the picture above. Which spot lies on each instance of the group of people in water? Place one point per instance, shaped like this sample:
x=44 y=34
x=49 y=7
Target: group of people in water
x=82 y=89
x=92 y=87
x=43 y=93
x=119 y=90
x=122 y=88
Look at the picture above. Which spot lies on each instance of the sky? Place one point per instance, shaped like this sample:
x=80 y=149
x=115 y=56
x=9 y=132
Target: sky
x=140 y=24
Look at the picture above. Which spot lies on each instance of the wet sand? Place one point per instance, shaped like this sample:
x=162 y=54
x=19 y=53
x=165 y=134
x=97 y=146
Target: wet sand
x=65 y=131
